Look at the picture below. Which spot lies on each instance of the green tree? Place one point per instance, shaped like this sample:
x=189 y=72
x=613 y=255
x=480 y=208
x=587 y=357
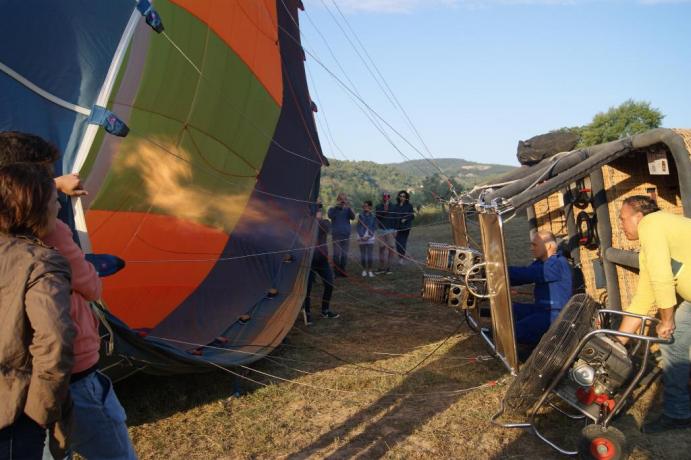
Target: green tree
x=435 y=190
x=627 y=119
x=361 y=180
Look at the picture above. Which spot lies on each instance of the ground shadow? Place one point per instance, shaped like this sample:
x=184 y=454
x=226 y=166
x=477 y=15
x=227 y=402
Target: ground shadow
x=149 y=398
x=398 y=413
x=373 y=318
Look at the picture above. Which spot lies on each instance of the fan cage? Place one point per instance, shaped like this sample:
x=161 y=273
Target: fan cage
x=561 y=339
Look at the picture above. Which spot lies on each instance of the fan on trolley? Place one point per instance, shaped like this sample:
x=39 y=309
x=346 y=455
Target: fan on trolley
x=580 y=362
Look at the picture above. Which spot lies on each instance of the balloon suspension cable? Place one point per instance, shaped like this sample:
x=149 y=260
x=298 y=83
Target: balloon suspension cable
x=374 y=113
x=363 y=392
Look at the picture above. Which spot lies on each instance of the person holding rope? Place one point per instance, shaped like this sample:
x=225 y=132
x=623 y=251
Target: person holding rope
x=320 y=267
x=36 y=332
x=664 y=284
x=99 y=428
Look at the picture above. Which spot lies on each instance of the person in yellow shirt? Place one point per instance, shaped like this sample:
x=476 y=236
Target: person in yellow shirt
x=665 y=277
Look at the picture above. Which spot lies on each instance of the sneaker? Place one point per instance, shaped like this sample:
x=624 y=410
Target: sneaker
x=665 y=423
x=388 y=271
x=364 y=273
x=308 y=319
x=371 y=275
x=400 y=261
x=329 y=314
x=380 y=271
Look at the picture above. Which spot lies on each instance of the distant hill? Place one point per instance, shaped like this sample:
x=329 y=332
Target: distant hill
x=365 y=180
x=361 y=180
x=466 y=172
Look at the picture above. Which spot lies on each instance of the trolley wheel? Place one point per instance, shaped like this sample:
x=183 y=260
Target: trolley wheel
x=598 y=443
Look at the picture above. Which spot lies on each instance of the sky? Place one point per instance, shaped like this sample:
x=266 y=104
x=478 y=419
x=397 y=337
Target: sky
x=470 y=78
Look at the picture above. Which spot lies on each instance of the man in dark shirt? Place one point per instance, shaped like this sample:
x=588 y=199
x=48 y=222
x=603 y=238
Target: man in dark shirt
x=404 y=220
x=386 y=233
x=320 y=267
x=551 y=274
x=340 y=216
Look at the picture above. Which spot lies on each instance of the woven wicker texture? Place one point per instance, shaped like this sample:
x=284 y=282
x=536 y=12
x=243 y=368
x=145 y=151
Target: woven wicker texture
x=686 y=135
x=588 y=257
x=627 y=176
x=550 y=216
x=624 y=177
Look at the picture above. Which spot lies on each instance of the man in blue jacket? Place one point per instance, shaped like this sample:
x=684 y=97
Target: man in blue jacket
x=340 y=216
x=551 y=274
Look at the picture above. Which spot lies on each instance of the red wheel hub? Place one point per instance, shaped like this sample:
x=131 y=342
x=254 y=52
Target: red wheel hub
x=603 y=449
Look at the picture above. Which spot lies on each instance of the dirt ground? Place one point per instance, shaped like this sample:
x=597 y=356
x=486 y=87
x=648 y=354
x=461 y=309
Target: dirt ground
x=393 y=377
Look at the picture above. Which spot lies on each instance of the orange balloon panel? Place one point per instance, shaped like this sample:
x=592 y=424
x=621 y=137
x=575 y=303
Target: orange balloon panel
x=167 y=259
x=250 y=28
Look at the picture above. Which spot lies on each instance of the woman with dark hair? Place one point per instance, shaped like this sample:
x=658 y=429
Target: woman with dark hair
x=404 y=214
x=99 y=422
x=36 y=332
x=19 y=147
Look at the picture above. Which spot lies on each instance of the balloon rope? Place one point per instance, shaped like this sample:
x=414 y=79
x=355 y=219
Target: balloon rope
x=472 y=360
x=268 y=253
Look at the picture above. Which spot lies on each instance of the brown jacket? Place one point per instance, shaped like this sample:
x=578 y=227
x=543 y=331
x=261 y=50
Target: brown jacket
x=36 y=331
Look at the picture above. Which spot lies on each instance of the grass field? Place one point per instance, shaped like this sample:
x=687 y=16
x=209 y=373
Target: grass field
x=392 y=377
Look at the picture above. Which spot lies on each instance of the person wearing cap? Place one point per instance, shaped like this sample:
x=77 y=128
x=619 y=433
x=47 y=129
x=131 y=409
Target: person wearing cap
x=386 y=233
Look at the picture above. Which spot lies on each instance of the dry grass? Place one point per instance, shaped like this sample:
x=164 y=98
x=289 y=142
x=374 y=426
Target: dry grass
x=381 y=381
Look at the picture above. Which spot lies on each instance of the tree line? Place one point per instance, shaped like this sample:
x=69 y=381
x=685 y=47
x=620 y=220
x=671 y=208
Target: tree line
x=365 y=180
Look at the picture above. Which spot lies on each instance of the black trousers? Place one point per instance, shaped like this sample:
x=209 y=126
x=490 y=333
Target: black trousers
x=23 y=440
x=402 y=241
x=320 y=268
x=340 y=246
